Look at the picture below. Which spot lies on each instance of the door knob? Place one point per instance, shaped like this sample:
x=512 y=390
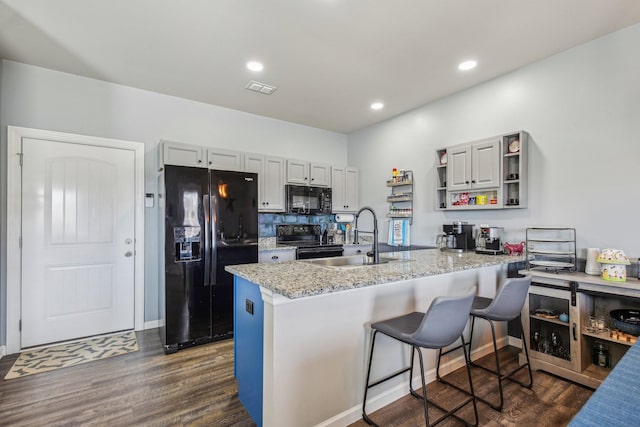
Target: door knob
x=128 y=241
x=128 y=253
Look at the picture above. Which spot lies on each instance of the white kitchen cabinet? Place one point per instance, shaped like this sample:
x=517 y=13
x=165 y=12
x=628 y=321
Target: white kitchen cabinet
x=488 y=174
x=179 y=154
x=308 y=173
x=279 y=255
x=270 y=172
x=220 y=159
x=344 y=187
x=474 y=166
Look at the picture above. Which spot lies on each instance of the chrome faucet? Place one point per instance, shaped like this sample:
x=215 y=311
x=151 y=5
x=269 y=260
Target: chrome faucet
x=376 y=257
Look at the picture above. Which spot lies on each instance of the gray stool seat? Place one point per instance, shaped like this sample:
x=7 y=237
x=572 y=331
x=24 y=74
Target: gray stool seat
x=439 y=327
x=507 y=305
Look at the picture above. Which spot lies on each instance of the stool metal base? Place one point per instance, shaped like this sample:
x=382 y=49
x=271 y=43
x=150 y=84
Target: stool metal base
x=497 y=372
x=447 y=412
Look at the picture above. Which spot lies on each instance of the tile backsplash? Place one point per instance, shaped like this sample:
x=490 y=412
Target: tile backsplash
x=267 y=222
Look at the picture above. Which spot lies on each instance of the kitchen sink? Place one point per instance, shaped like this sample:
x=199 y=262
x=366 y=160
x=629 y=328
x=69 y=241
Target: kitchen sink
x=350 y=261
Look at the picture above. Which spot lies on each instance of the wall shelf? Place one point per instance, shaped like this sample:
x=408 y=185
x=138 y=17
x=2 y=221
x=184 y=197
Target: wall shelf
x=402 y=191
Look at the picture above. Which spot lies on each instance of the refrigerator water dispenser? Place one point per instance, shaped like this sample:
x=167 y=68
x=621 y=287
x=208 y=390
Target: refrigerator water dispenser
x=187 y=243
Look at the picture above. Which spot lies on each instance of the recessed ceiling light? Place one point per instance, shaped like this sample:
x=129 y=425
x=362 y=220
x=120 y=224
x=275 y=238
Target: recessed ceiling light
x=467 y=65
x=255 y=66
x=377 y=106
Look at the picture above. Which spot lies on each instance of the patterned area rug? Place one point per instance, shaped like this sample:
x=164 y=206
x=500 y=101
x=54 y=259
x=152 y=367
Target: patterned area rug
x=62 y=356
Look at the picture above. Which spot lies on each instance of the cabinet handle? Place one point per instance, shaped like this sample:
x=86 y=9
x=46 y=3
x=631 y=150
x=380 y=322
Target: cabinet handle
x=575 y=336
x=473 y=181
x=358 y=251
x=466 y=182
x=305 y=178
x=199 y=161
x=275 y=257
x=267 y=203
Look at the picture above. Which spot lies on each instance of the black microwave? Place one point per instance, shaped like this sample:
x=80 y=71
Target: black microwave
x=302 y=199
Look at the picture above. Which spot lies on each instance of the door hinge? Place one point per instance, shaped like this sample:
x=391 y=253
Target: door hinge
x=21 y=156
x=20 y=325
x=20 y=242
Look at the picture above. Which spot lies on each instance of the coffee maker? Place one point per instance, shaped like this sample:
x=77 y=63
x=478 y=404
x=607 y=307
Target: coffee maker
x=462 y=235
x=489 y=240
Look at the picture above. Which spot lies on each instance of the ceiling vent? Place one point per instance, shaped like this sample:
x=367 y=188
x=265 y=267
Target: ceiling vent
x=260 y=87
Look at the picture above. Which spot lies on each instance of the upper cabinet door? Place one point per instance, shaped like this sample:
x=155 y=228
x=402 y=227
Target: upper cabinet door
x=229 y=160
x=273 y=184
x=338 y=191
x=459 y=168
x=270 y=172
x=175 y=153
x=486 y=164
x=297 y=172
x=320 y=175
x=344 y=187
x=351 y=189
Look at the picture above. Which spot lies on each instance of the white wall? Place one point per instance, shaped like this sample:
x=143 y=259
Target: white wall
x=45 y=99
x=582 y=109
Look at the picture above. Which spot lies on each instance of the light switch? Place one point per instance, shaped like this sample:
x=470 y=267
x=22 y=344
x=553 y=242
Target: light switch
x=149 y=200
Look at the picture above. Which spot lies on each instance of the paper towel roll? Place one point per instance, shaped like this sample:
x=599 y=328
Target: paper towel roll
x=592 y=266
x=344 y=217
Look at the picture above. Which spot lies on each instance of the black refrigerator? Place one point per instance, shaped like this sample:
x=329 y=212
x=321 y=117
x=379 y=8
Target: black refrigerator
x=210 y=221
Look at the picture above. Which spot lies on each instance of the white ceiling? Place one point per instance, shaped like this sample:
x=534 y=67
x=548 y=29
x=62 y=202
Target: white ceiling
x=329 y=58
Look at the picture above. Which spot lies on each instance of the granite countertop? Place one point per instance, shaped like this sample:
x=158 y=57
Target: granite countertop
x=298 y=279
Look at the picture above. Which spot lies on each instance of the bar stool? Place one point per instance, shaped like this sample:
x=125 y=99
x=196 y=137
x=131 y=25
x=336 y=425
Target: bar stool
x=506 y=306
x=439 y=327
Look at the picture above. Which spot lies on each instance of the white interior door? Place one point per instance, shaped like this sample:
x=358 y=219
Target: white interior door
x=78 y=229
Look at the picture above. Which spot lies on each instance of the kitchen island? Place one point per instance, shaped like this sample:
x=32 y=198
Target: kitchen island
x=302 y=330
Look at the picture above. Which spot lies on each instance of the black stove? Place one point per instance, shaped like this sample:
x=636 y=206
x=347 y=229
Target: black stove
x=307 y=238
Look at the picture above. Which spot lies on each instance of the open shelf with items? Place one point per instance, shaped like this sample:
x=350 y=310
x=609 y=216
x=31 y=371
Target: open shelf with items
x=495 y=167
x=515 y=170
x=593 y=345
x=441 y=179
x=401 y=197
x=551 y=248
x=480 y=199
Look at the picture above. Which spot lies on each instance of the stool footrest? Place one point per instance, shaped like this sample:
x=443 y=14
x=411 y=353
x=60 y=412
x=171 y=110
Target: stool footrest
x=452 y=349
x=388 y=377
x=447 y=412
x=506 y=376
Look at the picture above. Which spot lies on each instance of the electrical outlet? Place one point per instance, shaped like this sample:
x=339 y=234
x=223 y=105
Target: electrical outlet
x=248 y=305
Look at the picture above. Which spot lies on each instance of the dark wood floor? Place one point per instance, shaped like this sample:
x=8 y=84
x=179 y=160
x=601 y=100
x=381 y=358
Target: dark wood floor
x=191 y=387
x=551 y=402
x=196 y=387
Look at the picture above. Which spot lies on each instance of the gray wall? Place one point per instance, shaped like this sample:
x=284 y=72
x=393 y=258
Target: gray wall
x=3 y=224
x=582 y=109
x=39 y=98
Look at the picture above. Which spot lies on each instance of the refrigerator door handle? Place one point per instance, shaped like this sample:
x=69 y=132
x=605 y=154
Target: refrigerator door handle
x=213 y=263
x=207 y=239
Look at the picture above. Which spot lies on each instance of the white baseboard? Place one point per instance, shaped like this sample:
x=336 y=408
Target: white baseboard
x=3 y=351
x=152 y=324
x=385 y=398
x=515 y=342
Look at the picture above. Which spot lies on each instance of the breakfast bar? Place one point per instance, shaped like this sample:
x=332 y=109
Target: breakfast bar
x=302 y=329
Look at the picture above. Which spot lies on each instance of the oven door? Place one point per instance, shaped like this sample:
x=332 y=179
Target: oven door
x=319 y=252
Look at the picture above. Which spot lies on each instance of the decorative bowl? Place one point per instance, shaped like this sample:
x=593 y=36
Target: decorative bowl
x=626 y=320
